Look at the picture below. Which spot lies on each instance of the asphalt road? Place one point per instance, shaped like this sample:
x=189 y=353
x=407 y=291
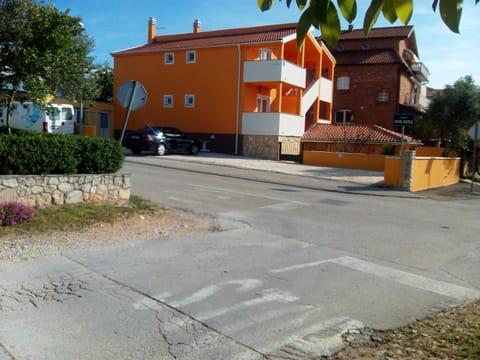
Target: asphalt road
x=293 y=268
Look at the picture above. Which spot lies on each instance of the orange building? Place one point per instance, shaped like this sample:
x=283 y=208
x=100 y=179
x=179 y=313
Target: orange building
x=246 y=91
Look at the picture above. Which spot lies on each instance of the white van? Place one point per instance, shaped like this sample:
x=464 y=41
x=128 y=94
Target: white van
x=58 y=118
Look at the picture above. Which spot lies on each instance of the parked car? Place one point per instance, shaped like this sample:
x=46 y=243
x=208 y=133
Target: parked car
x=161 y=140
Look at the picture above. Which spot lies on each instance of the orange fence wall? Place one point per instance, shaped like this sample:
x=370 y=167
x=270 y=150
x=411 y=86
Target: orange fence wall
x=344 y=160
x=429 y=151
x=391 y=175
x=431 y=172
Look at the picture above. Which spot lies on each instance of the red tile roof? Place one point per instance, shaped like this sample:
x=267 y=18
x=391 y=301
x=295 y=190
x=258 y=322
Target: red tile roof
x=269 y=33
x=382 y=32
x=380 y=56
x=353 y=133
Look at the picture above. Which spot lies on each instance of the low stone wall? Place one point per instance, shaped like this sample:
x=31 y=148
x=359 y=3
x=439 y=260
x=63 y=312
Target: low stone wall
x=50 y=190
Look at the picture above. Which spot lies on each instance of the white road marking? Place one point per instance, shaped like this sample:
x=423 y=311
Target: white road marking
x=281 y=206
x=307 y=340
x=151 y=304
x=188 y=201
x=402 y=277
x=206 y=292
x=301 y=310
x=301 y=266
x=269 y=295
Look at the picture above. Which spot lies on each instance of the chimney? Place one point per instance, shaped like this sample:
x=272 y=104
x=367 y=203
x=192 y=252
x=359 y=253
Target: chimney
x=152 y=29
x=350 y=27
x=196 y=26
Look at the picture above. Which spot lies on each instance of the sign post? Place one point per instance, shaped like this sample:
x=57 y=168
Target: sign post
x=131 y=95
x=474 y=133
x=402 y=120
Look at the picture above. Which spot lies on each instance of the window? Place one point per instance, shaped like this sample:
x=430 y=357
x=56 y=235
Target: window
x=382 y=95
x=265 y=54
x=343 y=83
x=343 y=116
x=169 y=58
x=263 y=103
x=191 y=57
x=168 y=101
x=189 y=101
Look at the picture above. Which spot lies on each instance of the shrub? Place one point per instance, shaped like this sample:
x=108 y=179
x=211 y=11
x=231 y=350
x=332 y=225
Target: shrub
x=99 y=155
x=36 y=153
x=13 y=212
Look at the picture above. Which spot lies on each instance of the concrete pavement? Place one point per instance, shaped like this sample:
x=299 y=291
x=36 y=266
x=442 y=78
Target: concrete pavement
x=353 y=181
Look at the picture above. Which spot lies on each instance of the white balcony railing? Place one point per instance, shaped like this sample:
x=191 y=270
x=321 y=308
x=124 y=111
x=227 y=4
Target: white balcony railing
x=264 y=123
x=326 y=90
x=421 y=71
x=274 y=71
x=310 y=95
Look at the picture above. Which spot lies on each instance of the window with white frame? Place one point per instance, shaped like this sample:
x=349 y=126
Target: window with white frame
x=382 y=95
x=169 y=58
x=191 y=57
x=189 y=101
x=343 y=116
x=263 y=103
x=265 y=54
x=168 y=101
x=343 y=83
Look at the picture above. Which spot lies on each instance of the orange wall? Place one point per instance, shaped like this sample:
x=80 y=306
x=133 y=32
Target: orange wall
x=392 y=171
x=430 y=172
x=344 y=160
x=214 y=87
x=429 y=151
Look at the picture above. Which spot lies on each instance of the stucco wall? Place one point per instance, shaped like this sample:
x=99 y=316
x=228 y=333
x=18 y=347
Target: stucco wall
x=432 y=172
x=49 y=190
x=344 y=160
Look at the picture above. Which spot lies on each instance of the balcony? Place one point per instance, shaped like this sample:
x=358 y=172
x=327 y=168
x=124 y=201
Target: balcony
x=274 y=71
x=269 y=123
x=421 y=71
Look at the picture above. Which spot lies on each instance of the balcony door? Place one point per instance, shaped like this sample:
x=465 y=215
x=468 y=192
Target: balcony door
x=263 y=103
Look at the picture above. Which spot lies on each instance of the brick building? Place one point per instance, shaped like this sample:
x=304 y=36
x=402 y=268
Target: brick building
x=378 y=76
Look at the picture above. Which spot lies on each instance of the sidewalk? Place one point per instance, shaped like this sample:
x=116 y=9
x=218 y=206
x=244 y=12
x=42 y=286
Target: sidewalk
x=363 y=177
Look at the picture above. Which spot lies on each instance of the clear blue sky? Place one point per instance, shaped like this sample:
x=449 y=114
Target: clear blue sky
x=120 y=24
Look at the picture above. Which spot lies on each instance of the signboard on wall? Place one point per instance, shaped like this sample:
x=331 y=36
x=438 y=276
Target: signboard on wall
x=403 y=119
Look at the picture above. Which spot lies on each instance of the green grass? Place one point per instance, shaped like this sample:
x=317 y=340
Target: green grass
x=76 y=217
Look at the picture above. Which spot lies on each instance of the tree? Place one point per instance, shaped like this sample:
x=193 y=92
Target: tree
x=450 y=114
x=323 y=14
x=104 y=82
x=42 y=52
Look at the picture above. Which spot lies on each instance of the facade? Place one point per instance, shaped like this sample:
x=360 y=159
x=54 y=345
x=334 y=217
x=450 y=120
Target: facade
x=378 y=76
x=242 y=91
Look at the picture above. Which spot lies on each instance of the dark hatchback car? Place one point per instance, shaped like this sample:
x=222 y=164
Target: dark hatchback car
x=161 y=141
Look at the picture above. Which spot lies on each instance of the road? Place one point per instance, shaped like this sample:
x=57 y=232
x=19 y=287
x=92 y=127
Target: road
x=293 y=268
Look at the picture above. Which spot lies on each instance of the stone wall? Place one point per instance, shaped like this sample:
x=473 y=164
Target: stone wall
x=260 y=146
x=50 y=190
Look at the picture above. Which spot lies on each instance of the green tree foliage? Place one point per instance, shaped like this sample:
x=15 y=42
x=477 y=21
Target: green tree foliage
x=450 y=114
x=42 y=51
x=324 y=14
x=104 y=82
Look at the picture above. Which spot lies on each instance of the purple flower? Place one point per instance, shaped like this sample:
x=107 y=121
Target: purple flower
x=14 y=212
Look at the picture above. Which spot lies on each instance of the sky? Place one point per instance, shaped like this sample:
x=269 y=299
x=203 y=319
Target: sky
x=119 y=24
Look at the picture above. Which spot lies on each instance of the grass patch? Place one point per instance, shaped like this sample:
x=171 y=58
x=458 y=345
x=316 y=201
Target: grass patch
x=77 y=217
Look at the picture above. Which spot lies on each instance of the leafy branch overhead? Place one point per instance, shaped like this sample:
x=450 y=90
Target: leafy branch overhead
x=324 y=14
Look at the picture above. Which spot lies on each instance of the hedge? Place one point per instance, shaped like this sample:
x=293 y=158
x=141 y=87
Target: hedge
x=37 y=153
